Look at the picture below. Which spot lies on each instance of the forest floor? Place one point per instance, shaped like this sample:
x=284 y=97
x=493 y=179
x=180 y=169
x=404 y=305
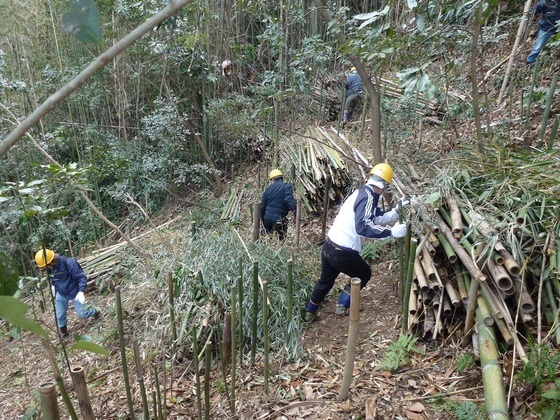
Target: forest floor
x=427 y=386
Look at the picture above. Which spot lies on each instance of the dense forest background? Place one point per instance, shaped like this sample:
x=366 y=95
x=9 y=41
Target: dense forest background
x=160 y=119
x=159 y=126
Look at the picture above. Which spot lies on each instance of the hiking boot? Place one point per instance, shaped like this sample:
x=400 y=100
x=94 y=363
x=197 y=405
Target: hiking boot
x=96 y=316
x=308 y=317
x=344 y=311
x=63 y=333
x=341 y=311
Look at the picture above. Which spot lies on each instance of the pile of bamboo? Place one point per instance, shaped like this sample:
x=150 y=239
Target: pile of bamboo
x=313 y=158
x=460 y=266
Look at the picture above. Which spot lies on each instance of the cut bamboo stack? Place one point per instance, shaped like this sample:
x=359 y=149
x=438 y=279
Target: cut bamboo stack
x=461 y=264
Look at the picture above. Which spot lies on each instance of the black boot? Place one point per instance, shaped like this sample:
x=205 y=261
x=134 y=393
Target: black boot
x=63 y=332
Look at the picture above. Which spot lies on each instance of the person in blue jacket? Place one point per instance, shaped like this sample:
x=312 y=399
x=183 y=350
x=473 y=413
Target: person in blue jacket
x=277 y=201
x=359 y=218
x=68 y=283
x=353 y=92
x=550 y=15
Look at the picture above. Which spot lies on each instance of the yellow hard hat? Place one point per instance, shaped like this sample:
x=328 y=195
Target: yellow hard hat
x=275 y=173
x=352 y=69
x=383 y=171
x=44 y=258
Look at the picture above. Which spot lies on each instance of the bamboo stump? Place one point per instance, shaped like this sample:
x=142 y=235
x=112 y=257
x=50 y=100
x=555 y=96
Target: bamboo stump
x=352 y=337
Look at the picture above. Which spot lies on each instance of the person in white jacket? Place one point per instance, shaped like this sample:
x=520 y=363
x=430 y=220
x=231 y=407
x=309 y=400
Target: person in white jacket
x=359 y=218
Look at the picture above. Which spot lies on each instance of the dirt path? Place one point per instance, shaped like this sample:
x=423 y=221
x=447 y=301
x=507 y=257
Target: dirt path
x=386 y=395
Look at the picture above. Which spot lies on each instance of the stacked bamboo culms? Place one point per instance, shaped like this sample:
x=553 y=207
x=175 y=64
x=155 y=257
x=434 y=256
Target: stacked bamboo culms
x=314 y=157
x=232 y=208
x=442 y=280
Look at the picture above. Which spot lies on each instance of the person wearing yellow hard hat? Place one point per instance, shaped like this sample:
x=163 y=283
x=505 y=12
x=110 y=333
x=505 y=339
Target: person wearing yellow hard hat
x=353 y=94
x=68 y=283
x=360 y=217
x=276 y=202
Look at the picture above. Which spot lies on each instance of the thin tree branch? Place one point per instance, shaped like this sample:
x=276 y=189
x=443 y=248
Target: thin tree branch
x=52 y=101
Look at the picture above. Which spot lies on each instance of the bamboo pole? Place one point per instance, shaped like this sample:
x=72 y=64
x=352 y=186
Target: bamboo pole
x=233 y=348
x=240 y=317
x=456 y=219
x=123 y=354
x=265 y=336
x=226 y=341
x=58 y=378
x=452 y=293
x=196 y=368
x=494 y=391
x=171 y=310
x=140 y=378
x=256 y=220
x=484 y=311
x=325 y=206
x=546 y=115
x=500 y=276
x=80 y=386
x=419 y=276
x=49 y=405
x=407 y=290
x=207 y=371
x=298 y=221
x=355 y=284
x=255 y=311
x=522 y=296
x=290 y=296
x=520 y=31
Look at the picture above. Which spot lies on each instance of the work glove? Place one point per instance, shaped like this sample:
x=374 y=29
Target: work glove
x=80 y=298
x=404 y=202
x=398 y=230
x=53 y=290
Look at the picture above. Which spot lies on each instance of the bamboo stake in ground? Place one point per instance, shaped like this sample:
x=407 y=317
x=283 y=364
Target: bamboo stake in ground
x=123 y=353
x=352 y=337
x=256 y=220
x=233 y=347
x=47 y=393
x=140 y=378
x=265 y=335
x=80 y=385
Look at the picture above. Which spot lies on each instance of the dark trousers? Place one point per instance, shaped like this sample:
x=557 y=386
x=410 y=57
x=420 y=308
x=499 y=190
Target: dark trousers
x=335 y=260
x=280 y=226
x=352 y=103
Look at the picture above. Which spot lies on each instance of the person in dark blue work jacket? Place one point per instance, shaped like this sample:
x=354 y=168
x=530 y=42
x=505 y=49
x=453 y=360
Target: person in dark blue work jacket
x=68 y=283
x=277 y=201
x=353 y=88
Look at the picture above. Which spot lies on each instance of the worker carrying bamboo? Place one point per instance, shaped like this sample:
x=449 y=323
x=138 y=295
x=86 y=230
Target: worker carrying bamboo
x=352 y=94
x=359 y=218
x=68 y=283
x=550 y=17
x=277 y=201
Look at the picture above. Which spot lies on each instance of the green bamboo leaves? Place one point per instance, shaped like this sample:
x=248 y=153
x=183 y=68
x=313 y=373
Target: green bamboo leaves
x=82 y=21
x=13 y=311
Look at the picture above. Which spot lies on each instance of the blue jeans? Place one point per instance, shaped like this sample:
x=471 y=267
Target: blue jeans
x=61 y=306
x=540 y=42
